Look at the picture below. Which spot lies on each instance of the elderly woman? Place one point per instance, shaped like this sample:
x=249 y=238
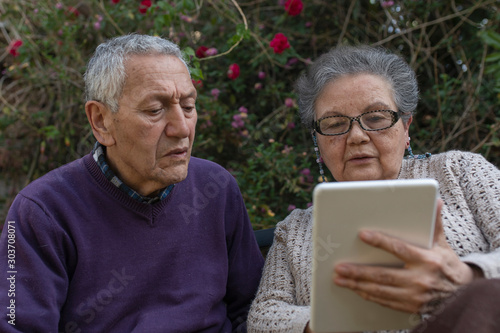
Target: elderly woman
x=358 y=103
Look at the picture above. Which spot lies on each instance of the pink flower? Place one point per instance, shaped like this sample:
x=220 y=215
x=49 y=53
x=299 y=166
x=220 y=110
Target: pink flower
x=386 y=4
x=294 y=7
x=308 y=24
x=243 y=109
x=186 y=18
x=233 y=72
x=143 y=7
x=289 y=103
x=59 y=5
x=279 y=43
x=262 y=75
x=286 y=149
x=115 y=1
x=238 y=121
x=291 y=207
x=14 y=46
x=215 y=93
x=305 y=172
x=201 y=52
x=97 y=25
x=292 y=61
x=211 y=51
x=291 y=125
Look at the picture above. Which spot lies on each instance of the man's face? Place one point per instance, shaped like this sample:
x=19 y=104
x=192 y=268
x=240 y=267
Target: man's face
x=154 y=127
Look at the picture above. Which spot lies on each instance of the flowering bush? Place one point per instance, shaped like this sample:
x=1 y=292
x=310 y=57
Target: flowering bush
x=245 y=58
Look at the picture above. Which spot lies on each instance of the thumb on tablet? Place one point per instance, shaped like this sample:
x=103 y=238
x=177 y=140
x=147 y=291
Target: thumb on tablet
x=439 y=236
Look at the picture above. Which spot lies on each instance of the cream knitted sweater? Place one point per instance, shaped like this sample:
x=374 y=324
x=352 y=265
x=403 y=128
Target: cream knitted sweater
x=470 y=188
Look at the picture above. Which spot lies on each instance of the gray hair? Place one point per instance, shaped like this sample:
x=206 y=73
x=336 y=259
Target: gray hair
x=105 y=75
x=352 y=60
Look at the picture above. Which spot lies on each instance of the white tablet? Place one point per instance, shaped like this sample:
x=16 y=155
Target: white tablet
x=404 y=209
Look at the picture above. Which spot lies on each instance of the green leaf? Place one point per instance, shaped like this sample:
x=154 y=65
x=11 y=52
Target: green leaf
x=241 y=31
x=493 y=57
x=188 y=52
x=196 y=73
x=491 y=38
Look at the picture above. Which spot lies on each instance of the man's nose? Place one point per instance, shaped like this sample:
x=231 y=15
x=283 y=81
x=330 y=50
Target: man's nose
x=177 y=123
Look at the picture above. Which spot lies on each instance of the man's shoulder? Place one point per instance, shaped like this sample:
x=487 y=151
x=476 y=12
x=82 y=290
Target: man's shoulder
x=200 y=163
x=200 y=168
x=56 y=179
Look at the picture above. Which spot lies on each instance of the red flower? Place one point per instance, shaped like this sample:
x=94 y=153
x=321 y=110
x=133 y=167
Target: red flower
x=197 y=83
x=279 y=43
x=201 y=52
x=233 y=72
x=14 y=46
x=74 y=11
x=143 y=7
x=294 y=7
x=115 y=1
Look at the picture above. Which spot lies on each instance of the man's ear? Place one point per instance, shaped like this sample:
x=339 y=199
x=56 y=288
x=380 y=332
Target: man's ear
x=99 y=117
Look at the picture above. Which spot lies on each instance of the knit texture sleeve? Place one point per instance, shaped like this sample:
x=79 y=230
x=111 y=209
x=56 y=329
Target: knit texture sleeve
x=40 y=274
x=481 y=184
x=276 y=309
x=245 y=261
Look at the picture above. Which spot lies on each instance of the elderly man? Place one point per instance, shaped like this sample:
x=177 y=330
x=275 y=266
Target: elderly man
x=137 y=236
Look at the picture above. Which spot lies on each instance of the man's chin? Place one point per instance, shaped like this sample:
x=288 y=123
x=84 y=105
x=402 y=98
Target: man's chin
x=173 y=175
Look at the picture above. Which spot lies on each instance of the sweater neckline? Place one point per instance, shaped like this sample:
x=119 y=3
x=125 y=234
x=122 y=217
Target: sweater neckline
x=119 y=195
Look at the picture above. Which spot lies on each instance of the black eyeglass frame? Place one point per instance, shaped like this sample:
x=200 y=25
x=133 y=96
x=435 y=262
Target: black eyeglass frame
x=395 y=117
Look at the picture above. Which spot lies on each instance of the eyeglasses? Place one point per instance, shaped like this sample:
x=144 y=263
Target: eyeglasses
x=369 y=121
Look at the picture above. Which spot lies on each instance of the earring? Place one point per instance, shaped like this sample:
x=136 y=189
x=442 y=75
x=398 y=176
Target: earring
x=410 y=153
x=318 y=158
x=408 y=146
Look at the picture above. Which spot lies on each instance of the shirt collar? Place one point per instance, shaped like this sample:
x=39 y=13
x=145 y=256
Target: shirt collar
x=99 y=154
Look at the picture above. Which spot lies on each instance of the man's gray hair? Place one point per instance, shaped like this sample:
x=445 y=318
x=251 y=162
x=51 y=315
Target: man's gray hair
x=352 y=60
x=105 y=75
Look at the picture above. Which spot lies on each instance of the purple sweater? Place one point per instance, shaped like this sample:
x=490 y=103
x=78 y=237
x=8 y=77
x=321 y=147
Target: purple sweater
x=88 y=258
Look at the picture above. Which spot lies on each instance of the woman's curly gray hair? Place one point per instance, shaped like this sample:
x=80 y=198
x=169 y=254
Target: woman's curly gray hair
x=105 y=75
x=352 y=60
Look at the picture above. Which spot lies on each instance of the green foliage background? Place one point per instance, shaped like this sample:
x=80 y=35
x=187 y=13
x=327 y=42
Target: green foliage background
x=454 y=46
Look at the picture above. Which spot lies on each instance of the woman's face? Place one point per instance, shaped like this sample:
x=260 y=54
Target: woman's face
x=358 y=154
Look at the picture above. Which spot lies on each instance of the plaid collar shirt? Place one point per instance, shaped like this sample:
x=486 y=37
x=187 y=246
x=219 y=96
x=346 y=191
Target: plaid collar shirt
x=99 y=154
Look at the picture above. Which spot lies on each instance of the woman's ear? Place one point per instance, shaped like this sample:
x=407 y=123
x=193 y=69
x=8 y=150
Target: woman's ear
x=99 y=116
x=407 y=125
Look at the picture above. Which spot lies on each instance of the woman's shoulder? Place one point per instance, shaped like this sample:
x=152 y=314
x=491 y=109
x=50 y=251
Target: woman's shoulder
x=461 y=161
x=297 y=222
x=454 y=161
